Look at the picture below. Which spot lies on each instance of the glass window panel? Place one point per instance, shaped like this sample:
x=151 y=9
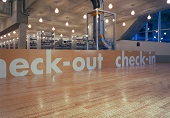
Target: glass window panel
x=143 y=29
x=153 y=36
x=165 y=36
x=153 y=23
x=165 y=19
x=141 y=36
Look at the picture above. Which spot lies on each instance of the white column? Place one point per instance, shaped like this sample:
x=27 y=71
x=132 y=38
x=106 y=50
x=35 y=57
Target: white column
x=13 y=41
x=39 y=40
x=146 y=32
x=28 y=41
x=9 y=43
x=159 y=27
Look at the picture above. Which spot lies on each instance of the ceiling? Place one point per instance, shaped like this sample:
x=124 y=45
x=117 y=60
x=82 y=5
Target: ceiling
x=72 y=11
x=4 y=11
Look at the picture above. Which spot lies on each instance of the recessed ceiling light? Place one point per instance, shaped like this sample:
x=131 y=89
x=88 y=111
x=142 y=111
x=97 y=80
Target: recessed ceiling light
x=61 y=35
x=53 y=28
x=168 y=1
x=133 y=12
x=4 y=0
x=149 y=17
x=1 y=37
x=85 y=16
x=124 y=24
x=67 y=24
x=9 y=34
x=113 y=20
x=40 y=20
x=29 y=26
x=14 y=32
x=73 y=31
x=107 y=20
x=110 y=6
x=56 y=10
x=4 y=35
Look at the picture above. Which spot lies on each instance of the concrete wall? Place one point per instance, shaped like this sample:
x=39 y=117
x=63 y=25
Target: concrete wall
x=162 y=49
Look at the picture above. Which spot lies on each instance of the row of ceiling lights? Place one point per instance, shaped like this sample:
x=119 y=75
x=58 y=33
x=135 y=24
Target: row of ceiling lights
x=9 y=34
x=53 y=28
x=110 y=6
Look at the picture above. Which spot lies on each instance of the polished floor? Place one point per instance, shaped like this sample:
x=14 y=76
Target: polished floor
x=129 y=92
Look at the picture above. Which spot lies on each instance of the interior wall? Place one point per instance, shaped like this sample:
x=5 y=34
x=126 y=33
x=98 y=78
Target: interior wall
x=159 y=48
x=162 y=50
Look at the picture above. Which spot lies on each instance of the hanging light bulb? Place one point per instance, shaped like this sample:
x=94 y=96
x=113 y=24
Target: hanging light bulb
x=14 y=32
x=29 y=26
x=133 y=12
x=61 y=35
x=56 y=10
x=85 y=16
x=53 y=28
x=110 y=6
x=73 y=31
x=168 y=1
x=107 y=20
x=124 y=24
x=1 y=37
x=67 y=24
x=9 y=34
x=40 y=20
x=149 y=17
x=4 y=35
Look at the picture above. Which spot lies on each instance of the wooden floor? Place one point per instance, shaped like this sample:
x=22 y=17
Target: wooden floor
x=130 y=92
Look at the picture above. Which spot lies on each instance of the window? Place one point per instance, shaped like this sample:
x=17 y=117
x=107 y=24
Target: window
x=157 y=29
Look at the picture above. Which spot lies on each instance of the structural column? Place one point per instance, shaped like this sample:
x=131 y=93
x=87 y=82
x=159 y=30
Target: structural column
x=159 y=27
x=39 y=40
x=146 y=33
x=22 y=36
x=28 y=41
x=9 y=45
x=13 y=43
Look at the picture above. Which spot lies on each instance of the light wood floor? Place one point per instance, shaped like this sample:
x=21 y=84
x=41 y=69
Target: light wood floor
x=130 y=92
